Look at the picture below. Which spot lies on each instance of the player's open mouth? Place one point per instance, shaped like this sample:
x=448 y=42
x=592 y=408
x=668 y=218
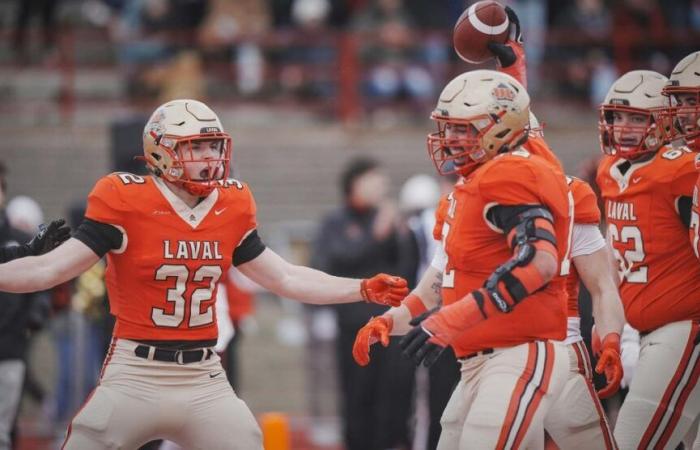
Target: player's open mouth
x=629 y=142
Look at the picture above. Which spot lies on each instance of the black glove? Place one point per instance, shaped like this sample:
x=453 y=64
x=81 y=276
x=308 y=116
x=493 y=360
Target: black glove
x=49 y=237
x=516 y=33
x=415 y=343
x=504 y=53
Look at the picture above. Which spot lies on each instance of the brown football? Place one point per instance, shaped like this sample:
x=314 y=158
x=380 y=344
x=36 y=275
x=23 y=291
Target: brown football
x=479 y=24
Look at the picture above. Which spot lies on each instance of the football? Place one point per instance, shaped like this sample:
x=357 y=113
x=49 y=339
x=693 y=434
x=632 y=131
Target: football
x=481 y=23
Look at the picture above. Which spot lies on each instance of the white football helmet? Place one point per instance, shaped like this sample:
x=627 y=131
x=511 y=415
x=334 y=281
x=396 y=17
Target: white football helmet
x=637 y=92
x=167 y=145
x=683 y=90
x=492 y=108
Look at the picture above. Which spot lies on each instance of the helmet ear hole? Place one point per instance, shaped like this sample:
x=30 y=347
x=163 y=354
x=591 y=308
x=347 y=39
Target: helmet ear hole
x=155 y=156
x=503 y=133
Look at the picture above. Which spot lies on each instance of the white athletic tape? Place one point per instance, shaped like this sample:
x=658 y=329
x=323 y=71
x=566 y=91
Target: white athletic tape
x=482 y=27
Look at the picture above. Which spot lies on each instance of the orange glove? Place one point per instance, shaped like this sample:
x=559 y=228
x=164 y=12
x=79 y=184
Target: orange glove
x=376 y=330
x=384 y=289
x=610 y=363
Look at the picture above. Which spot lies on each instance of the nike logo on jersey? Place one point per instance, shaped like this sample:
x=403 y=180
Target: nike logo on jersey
x=219 y=211
x=636 y=180
x=214 y=375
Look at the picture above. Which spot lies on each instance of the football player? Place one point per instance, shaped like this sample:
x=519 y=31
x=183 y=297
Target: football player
x=683 y=91
x=647 y=187
x=505 y=234
x=169 y=237
x=577 y=419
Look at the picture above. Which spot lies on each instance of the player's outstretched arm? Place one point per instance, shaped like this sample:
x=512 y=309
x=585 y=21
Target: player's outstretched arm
x=534 y=263
x=308 y=285
x=596 y=274
x=38 y=273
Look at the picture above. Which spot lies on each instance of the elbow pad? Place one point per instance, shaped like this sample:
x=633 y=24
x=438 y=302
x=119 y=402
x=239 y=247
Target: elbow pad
x=518 y=278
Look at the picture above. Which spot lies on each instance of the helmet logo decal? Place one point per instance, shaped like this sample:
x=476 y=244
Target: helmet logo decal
x=503 y=92
x=209 y=130
x=619 y=101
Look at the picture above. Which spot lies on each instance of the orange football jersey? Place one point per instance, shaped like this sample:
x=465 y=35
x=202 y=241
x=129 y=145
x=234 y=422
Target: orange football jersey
x=162 y=282
x=475 y=248
x=534 y=145
x=585 y=212
x=659 y=272
x=538 y=146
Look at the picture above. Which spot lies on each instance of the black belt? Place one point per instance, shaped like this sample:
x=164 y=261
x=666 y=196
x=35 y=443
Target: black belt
x=486 y=351
x=176 y=356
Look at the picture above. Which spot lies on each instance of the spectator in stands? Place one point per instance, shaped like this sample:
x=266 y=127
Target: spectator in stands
x=232 y=31
x=638 y=30
x=16 y=323
x=695 y=15
x=340 y=12
x=46 y=10
x=389 y=51
x=359 y=238
x=25 y=214
x=578 y=40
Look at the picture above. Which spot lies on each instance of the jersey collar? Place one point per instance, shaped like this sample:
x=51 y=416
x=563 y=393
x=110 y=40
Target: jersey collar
x=191 y=216
x=623 y=179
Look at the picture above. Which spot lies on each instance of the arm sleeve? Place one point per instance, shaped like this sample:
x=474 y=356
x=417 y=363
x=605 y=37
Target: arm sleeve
x=685 y=205
x=250 y=248
x=586 y=240
x=100 y=237
x=506 y=217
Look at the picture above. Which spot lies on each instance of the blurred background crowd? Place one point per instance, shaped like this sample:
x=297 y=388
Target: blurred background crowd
x=293 y=50
x=327 y=102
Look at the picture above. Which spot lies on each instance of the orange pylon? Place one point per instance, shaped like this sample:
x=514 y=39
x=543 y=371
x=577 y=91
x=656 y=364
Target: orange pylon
x=275 y=429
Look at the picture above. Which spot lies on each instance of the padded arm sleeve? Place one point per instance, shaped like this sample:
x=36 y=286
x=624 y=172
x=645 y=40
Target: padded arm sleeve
x=100 y=237
x=513 y=281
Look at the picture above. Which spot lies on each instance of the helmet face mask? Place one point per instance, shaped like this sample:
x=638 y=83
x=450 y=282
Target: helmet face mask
x=479 y=114
x=630 y=132
x=683 y=92
x=184 y=144
x=632 y=120
x=684 y=113
x=457 y=145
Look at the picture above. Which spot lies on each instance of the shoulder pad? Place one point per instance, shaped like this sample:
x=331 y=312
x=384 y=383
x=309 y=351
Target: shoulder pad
x=585 y=202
